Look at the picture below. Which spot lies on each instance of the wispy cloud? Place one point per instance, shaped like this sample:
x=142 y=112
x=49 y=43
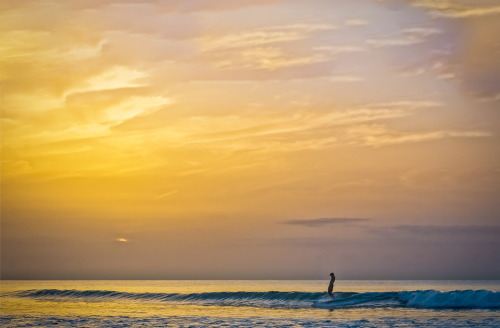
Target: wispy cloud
x=264 y=48
x=346 y=78
x=263 y=36
x=253 y=134
x=204 y=5
x=379 y=135
x=450 y=229
x=116 y=77
x=356 y=22
x=268 y=58
x=410 y=36
x=170 y=193
x=455 y=9
x=488 y=98
x=325 y=221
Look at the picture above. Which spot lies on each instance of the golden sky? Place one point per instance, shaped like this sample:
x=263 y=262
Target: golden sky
x=250 y=139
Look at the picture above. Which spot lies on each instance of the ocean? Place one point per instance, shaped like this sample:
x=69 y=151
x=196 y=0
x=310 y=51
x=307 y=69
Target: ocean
x=249 y=303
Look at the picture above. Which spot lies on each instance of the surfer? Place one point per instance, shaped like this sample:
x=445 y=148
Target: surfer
x=330 y=286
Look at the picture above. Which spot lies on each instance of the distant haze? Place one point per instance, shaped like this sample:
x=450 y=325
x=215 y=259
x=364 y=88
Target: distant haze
x=260 y=139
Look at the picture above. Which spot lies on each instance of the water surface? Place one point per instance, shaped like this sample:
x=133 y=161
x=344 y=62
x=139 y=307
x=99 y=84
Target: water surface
x=249 y=303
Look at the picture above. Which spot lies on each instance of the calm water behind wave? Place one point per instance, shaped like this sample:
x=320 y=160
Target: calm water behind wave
x=250 y=303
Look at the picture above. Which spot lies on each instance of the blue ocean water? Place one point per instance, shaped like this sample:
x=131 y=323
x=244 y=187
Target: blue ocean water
x=256 y=303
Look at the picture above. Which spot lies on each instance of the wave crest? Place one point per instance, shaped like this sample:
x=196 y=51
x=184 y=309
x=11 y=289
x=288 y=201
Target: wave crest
x=477 y=299
x=453 y=299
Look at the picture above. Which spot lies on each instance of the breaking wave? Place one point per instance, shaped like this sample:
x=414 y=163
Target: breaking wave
x=429 y=299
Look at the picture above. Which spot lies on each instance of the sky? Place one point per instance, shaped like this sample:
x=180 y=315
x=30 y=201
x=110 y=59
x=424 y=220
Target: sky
x=251 y=139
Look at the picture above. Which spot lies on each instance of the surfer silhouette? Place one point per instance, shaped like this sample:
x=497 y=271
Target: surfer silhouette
x=330 y=286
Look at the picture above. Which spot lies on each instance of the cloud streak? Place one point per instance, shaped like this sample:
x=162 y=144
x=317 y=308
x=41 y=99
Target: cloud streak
x=449 y=229
x=410 y=36
x=379 y=136
x=264 y=36
x=321 y=222
x=455 y=9
x=264 y=48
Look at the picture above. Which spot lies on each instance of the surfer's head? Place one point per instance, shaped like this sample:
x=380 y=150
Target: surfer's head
x=332 y=275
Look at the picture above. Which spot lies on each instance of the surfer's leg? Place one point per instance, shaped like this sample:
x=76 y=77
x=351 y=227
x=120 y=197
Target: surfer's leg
x=331 y=294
